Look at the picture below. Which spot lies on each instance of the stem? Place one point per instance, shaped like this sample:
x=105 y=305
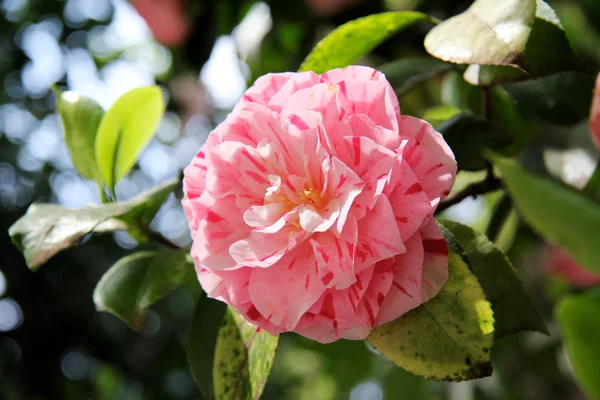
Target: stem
x=155 y=236
x=489 y=184
x=486 y=103
x=592 y=188
x=102 y=194
x=501 y=212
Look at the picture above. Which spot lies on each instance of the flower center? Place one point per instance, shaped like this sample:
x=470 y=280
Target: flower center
x=313 y=196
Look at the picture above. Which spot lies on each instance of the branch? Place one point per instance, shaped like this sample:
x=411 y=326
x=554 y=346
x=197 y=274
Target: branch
x=489 y=184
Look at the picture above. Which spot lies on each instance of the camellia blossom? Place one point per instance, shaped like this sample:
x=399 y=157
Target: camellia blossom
x=562 y=266
x=595 y=114
x=311 y=206
x=166 y=19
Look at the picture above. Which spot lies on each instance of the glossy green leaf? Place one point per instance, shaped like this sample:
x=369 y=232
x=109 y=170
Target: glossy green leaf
x=488 y=33
x=407 y=73
x=449 y=337
x=125 y=130
x=80 y=118
x=546 y=97
x=46 y=229
x=513 y=310
x=349 y=42
x=202 y=340
x=579 y=321
x=243 y=359
x=469 y=136
x=139 y=280
x=436 y=115
x=487 y=75
x=559 y=213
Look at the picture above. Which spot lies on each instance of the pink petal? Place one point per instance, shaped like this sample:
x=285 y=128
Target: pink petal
x=286 y=290
x=265 y=87
x=253 y=316
x=430 y=158
x=335 y=256
x=435 y=265
x=296 y=83
x=239 y=170
x=267 y=218
x=343 y=186
x=229 y=286
x=595 y=115
x=405 y=292
x=362 y=125
x=369 y=93
x=261 y=249
x=372 y=163
x=379 y=237
x=220 y=226
x=409 y=202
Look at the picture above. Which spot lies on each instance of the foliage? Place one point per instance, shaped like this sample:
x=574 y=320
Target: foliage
x=506 y=85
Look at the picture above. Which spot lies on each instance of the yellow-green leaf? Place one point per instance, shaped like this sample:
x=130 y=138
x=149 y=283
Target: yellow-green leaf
x=448 y=338
x=125 y=130
x=80 y=118
x=243 y=358
x=349 y=42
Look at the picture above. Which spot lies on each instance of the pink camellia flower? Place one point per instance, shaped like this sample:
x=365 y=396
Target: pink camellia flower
x=561 y=265
x=166 y=19
x=595 y=115
x=311 y=205
x=330 y=7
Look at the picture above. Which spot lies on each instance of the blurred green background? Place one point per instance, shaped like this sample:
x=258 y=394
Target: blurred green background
x=204 y=54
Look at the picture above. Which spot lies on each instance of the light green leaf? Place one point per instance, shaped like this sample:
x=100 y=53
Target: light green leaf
x=202 y=340
x=125 y=130
x=562 y=215
x=46 y=229
x=513 y=311
x=449 y=337
x=438 y=114
x=488 y=33
x=80 y=118
x=579 y=321
x=407 y=73
x=139 y=280
x=349 y=42
x=243 y=359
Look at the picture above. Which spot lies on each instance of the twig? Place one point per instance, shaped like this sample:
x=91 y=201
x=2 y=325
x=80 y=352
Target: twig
x=489 y=184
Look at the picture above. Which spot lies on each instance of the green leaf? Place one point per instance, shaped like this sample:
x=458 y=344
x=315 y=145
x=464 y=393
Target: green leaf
x=125 y=130
x=560 y=214
x=546 y=97
x=354 y=39
x=243 y=359
x=202 y=340
x=438 y=114
x=407 y=73
x=80 y=118
x=468 y=136
x=513 y=311
x=449 y=337
x=579 y=321
x=139 y=280
x=46 y=229
x=488 y=33
x=487 y=75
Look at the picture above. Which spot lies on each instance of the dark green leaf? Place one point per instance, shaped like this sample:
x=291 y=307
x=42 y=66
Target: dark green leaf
x=488 y=33
x=139 y=280
x=407 y=73
x=80 y=118
x=487 y=75
x=46 y=229
x=513 y=311
x=579 y=320
x=125 y=130
x=449 y=337
x=436 y=115
x=468 y=136
x=562 y=215
x=563 y=98
x=243 y=359
x=349 y=42
x=202 y=340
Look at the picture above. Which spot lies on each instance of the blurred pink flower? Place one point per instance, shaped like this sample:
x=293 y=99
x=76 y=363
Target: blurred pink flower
x=329 y=7
x=166 y=19
x=311 y=205
x=561 y=265
x=595 y=115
